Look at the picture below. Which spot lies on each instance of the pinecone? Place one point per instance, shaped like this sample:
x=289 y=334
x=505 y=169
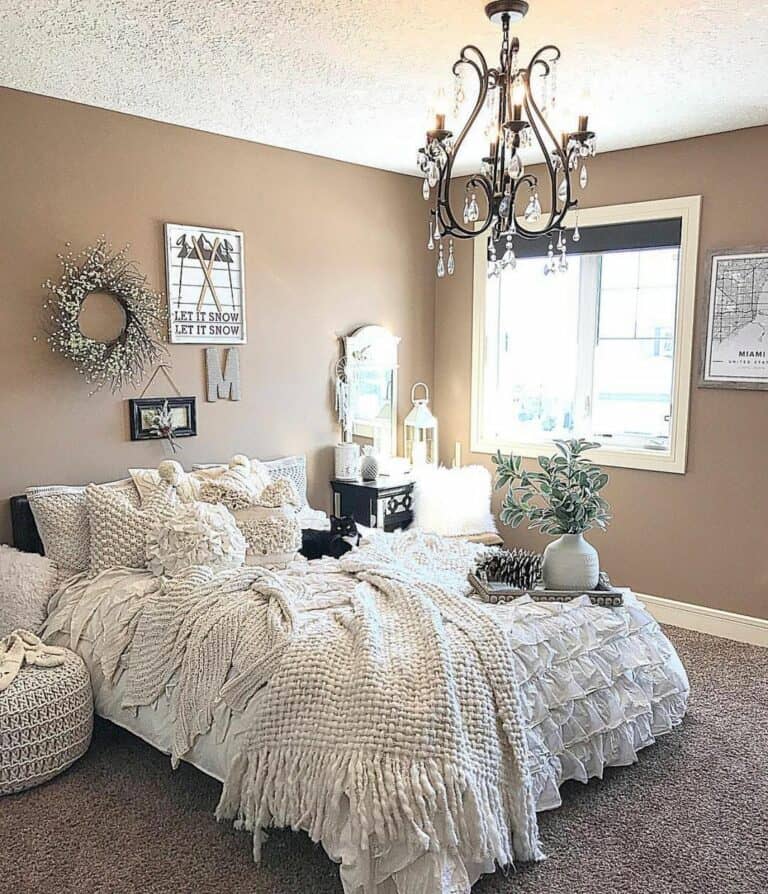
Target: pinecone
x=520 y=568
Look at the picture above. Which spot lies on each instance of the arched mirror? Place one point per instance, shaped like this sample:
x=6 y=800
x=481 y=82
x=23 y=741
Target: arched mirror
x=370 y=365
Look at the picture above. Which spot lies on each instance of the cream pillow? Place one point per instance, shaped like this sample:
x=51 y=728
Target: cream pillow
x=234 y=486
x=291 y=467
x=196 y=534
x=273 y=534
x=189 y=484
x=268 y=519
x=27 y=582
x=119 y=528
x=61 y=516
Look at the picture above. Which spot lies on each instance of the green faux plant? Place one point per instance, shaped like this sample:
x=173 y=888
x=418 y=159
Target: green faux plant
x=563 y=498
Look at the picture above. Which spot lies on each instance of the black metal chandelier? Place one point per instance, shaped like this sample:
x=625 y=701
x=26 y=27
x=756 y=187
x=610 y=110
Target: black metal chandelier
x=520 y=102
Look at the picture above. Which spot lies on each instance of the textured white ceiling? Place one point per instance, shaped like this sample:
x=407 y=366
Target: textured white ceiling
x=353 y=79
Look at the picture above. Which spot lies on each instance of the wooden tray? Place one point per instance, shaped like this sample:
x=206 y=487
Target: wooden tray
x=495 y=592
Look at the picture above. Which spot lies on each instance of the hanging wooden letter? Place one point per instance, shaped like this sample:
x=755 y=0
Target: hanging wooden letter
x=221 y=387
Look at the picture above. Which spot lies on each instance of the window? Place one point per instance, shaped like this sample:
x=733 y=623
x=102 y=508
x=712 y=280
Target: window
x=602 y=351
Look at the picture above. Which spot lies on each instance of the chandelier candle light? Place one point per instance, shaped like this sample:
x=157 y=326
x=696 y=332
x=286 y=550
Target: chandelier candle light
x=520 y=103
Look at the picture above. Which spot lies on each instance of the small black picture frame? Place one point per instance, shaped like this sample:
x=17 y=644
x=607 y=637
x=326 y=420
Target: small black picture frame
x=141 y=410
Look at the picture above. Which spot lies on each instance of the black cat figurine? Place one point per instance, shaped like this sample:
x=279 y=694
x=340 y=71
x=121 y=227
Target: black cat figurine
x=342 y=536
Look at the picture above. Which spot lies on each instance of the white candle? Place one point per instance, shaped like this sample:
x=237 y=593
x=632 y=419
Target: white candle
x=457 y=455
x=419 y=453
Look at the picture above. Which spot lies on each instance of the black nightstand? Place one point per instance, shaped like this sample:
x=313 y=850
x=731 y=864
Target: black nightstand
x=384 y=503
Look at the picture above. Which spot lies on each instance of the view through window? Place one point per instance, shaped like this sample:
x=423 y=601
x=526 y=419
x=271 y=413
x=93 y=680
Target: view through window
x=585 y=353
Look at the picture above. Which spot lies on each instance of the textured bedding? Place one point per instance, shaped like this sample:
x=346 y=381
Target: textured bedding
x=584 y=687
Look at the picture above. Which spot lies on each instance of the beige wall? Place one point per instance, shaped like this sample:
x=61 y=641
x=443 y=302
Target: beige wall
x=329 y=246
x=701 y=537
x=72 y=172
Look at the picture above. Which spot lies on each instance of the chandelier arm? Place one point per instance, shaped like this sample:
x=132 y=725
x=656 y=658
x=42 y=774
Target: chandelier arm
x=448 y=221
x=556 y=217
x=538 y=123
x=480 y=67
x=538 y=59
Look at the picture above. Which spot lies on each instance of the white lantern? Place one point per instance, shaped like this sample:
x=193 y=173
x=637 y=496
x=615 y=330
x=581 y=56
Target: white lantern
x=421 y=431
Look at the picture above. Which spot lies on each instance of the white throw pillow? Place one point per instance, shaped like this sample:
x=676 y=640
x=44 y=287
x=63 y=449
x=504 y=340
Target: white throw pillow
x=119 y=527
x=61 y=516
x=188 y=484
x=453 y=502
x=196 y=534
x=292 y=467
x=27 y=582
x=268 y=519
x=233 y=486
x=273 y=534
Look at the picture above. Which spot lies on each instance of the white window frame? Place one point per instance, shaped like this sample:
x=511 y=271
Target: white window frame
x=688 y=209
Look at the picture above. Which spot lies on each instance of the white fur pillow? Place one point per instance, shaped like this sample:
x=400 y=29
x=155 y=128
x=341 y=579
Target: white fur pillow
x=196 y=534
x=454 y=502
x=27 y=582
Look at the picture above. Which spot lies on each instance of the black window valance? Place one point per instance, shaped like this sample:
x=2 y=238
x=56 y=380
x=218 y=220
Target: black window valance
x=630 y=236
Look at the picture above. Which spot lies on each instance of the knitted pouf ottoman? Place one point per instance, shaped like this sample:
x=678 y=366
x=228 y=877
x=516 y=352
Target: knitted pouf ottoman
x=46 y=721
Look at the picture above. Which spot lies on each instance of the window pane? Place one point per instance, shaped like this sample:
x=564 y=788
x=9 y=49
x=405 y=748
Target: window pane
x=656 y=311
x=633 y=361
x=618 y=312
x=620 y=270
x=632 y=389
x=658 y=267
x=533 y=384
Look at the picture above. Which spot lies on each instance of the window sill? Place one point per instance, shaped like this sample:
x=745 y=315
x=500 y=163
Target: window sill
x=623 y=458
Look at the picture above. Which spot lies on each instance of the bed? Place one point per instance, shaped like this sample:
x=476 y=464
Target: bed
x=542 y=693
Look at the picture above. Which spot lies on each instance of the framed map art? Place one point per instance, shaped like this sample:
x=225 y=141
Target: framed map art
x=736 y=336
x=205 y=278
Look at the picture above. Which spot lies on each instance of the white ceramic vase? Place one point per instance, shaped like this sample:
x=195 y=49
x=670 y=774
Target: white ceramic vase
x=570 y=563
x=369 y=465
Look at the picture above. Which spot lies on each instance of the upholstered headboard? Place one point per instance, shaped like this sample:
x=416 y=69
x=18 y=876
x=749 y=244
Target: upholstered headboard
x=25 y=536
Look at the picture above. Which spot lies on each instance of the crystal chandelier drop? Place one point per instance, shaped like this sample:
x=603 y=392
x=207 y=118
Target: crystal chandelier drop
x=502 y=200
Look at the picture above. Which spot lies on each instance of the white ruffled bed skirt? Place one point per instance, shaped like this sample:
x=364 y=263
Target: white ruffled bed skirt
x=600 y=684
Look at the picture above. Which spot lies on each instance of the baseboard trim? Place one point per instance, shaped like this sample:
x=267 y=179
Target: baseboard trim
x=729 y=625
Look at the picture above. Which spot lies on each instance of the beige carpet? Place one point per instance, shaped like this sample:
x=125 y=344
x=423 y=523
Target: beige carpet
x=691 y=817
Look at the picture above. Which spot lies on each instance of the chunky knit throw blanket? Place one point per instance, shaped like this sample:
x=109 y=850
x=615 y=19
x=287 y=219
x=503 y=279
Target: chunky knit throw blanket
x=387 y=694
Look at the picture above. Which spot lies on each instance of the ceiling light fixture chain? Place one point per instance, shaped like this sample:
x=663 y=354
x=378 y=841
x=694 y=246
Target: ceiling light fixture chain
x=519 y=120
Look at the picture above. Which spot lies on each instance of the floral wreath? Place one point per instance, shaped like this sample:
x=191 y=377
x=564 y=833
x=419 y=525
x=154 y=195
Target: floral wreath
x=125 y=360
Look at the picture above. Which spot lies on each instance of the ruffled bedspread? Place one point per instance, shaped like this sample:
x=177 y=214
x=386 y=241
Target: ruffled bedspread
x=596 y=686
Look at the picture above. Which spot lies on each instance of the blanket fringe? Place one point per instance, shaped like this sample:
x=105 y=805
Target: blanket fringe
x=387 y=799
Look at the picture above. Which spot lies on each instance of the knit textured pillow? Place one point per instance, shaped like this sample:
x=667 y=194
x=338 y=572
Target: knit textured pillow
x=293 y=467
x=196 y=534
x=233 y=486
x=273 y=535
x=61 y=516
x=119 y=527
x=187 y=484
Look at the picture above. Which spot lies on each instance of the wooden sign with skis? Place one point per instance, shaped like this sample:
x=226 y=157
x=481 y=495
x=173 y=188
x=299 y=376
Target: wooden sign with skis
x=205 y=276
